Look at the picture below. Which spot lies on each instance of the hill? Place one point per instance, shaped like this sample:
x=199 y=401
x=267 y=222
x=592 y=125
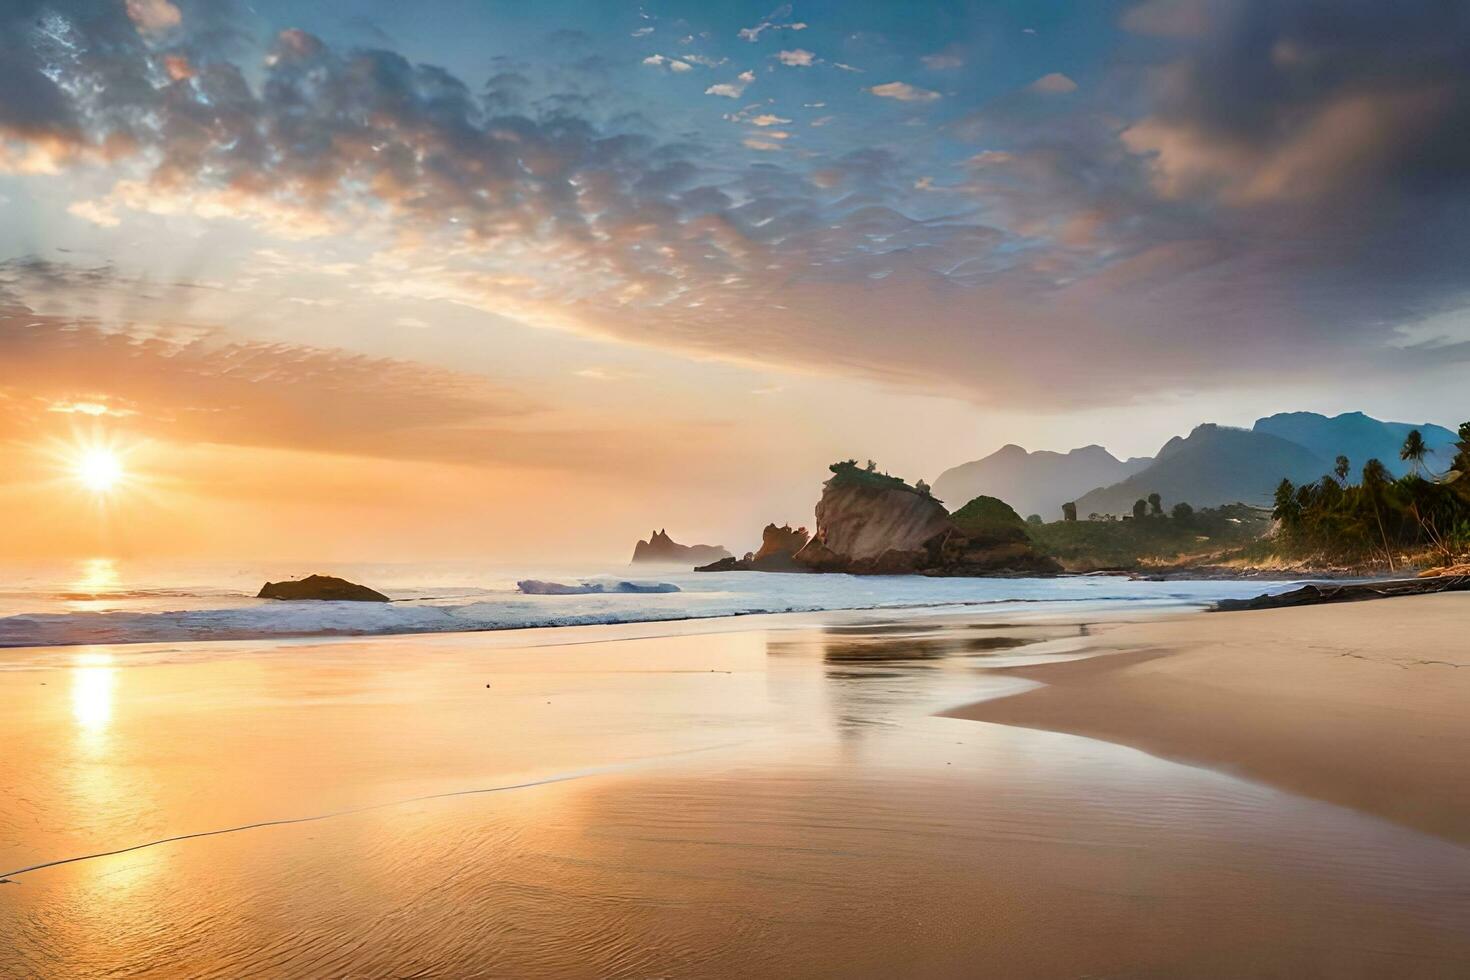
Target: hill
x=1035 y=483
x=1360 y=438
x=1214 y=465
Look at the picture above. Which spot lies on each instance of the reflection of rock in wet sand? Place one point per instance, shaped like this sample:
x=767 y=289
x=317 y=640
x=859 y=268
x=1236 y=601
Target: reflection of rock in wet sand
x=879 y=674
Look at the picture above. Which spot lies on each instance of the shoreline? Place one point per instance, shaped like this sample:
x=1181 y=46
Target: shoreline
x=313 y=620
x=1360 y=705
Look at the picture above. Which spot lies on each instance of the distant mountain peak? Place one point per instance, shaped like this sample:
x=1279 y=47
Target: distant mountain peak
x=1359 y=437
x=1033 y=482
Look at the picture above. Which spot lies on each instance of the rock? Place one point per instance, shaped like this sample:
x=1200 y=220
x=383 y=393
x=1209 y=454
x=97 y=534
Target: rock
x=869 y=523
x=324 y=588
x=661 y=548
x=778 y=545
x=1311 y=595
x=532 y=586
x=866 y=526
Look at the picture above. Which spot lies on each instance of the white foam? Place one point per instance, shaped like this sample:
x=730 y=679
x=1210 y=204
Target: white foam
x=205 y=615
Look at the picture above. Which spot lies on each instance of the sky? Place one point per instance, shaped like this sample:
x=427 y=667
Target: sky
x=368 y=279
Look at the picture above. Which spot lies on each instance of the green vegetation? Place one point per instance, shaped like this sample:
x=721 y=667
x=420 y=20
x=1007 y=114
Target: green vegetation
x=1151 y=539
x=1379 y=518
x=849 y=474
x=988 y=517
x=1461 y=466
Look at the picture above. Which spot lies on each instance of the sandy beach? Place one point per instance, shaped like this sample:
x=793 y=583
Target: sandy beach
x=1363 y=705
x=784 y=796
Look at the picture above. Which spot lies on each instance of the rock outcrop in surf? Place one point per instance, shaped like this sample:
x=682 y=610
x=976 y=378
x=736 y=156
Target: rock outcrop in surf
x=661 y=548
x=321 y=588
x=778 y=545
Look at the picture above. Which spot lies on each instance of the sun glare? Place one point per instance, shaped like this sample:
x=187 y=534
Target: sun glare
x=99 y=470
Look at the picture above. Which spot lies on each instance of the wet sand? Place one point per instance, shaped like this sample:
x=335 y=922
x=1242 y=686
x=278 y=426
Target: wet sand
x=1366 y=705
x=783 y=799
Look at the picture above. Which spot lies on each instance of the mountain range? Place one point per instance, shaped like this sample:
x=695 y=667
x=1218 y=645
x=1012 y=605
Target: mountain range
x=1034 y=483
x=1211 y=466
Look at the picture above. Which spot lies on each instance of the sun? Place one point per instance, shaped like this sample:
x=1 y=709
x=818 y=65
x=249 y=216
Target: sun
x=99 y=470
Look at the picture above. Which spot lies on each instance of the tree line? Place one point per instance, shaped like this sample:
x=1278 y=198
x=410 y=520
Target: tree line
x=1380 y=517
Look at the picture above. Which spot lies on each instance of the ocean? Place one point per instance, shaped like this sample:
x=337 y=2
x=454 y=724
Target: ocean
x=105 y=601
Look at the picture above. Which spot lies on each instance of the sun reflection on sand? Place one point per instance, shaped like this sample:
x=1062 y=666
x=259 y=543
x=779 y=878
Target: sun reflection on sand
x=92 y=688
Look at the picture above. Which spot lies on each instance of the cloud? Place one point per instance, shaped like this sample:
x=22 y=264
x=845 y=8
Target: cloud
x=260 y=394
x=1269 y=104
x=1054 y=84
x=1168 y=18
x=903 y=92
x=96 y=409
x=735 y=89
x=154 y=16
x=673 y=64
x=777 y=20
x=1263 y=202
x=942 y=62
x=797 y=58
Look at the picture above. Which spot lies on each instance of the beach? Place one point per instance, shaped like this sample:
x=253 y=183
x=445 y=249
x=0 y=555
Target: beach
x=1361 y=704
x=769 y=795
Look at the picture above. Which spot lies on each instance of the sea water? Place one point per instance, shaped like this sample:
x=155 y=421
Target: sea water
x=110 y=601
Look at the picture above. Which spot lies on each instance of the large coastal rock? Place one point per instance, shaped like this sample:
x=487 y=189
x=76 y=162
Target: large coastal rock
x=321 y=588
x=870 y=523
x=661 y=548
x=778 y=547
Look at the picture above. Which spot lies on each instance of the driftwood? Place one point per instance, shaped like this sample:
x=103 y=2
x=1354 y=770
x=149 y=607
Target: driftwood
x=1311 y=595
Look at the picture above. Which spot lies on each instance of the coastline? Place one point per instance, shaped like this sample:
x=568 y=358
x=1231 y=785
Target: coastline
x=207 y=617
x=1361 y=705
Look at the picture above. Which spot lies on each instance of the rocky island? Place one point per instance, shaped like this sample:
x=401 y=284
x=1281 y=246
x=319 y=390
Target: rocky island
x=321 y=588
x=663 y=549
x=870 y=523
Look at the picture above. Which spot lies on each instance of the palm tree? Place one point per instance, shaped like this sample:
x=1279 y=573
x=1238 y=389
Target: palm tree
x=1341 y=469
x=1414 y=451
x=1375 y=479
